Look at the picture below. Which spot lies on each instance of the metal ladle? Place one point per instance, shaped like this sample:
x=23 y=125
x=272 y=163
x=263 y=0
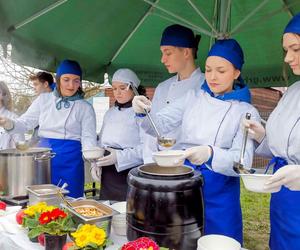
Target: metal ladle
x=62 y=197
x=239 y=166
x=163 y=141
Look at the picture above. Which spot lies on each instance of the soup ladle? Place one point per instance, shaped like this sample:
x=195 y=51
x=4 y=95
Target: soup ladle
x=161 y=140
x=238 y=167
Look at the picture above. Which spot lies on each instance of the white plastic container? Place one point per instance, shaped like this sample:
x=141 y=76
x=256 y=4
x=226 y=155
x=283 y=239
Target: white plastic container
x=119 y=221
x=256 y=183
x=93 y=153
x=217 y=242
x=169 y=158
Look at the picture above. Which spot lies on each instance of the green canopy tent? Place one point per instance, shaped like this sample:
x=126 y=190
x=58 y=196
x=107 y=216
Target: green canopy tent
x=104 y=35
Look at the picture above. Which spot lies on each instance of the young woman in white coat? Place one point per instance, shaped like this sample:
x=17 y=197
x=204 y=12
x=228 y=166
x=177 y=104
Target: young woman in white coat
x=120 y=135
x=211 y=134
x=281 y=142
x=67 y=123
x=7 y=140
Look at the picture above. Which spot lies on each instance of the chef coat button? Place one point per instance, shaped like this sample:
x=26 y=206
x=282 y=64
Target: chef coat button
x=168 y=102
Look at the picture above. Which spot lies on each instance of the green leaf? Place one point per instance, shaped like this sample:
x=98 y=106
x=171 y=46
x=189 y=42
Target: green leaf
x=34 y=233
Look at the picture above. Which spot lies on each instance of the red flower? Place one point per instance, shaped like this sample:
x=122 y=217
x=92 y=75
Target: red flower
x=143 y=243
x=56 y=213
x=45 y=218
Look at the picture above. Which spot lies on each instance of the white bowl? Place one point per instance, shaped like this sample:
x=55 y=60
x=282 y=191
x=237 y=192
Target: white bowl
x=168 y=158
x=93 y=153
x=217 y=242
x=256 y=183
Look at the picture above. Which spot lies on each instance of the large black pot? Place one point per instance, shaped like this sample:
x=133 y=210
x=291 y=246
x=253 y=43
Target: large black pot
x=168 y=209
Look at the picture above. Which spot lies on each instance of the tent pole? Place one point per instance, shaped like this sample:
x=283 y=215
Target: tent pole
x=132 y=33
x=224 y=16
x=237 y=27
x=36 y=15
x=202 y=16
x=201 y=30
x=212 y=40
x=287 y=8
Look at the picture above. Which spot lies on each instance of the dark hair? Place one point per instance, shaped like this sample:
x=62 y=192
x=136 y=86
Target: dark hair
x=141 y=89
x=43 y=77
x=79 y=91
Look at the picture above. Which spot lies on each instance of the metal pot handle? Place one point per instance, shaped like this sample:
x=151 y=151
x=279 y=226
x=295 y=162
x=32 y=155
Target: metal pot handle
x=45 y=156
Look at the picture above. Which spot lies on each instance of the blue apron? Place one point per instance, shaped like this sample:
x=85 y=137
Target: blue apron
x=67 y=165
x=284 y=216
x=222 y=208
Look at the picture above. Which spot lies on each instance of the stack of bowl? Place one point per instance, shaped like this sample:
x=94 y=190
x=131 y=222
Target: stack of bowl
x=119 y=221
x=218 y=242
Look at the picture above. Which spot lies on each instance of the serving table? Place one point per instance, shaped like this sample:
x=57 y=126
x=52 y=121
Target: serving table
x=14 y=237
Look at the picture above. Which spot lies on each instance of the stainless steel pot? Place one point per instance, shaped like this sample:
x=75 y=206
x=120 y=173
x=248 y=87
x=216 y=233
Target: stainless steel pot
x=19 y=169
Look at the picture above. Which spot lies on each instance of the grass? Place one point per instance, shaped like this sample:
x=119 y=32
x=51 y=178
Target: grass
x=255 y=209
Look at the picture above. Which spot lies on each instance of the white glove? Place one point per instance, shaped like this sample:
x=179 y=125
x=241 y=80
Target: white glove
x=108 y=160
x=140 y=103
x=6 y=123
x=95 y=172
x=197 y=155
x=288 y=176
x=255 y=129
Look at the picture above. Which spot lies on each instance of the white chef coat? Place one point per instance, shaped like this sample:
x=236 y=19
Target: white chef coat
x=205 y=120
x=120 y=130
x=283 y=128
x=165 y=94
x=7 y=140
x=78 y=122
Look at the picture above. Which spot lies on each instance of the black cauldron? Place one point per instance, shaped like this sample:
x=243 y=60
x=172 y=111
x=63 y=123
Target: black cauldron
x=168 y=209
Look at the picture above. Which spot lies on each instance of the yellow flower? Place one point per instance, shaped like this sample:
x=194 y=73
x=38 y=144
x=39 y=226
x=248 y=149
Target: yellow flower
x=89 y=234
x=82 y=239
x=38 y=208
x=98 y=236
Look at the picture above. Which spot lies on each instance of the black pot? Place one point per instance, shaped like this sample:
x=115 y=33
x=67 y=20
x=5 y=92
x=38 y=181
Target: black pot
x=168 y=209
x=55 y=242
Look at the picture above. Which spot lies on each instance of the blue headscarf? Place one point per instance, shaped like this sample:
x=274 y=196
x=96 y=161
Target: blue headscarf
x=69 y=67
x=179 y=36
x=231 y=51
x=293 y=26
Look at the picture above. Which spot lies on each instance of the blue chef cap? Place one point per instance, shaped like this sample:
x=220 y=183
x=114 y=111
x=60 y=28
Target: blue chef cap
x=294 y=25
x=230 y=50
x=69 y=67
x=179 y=36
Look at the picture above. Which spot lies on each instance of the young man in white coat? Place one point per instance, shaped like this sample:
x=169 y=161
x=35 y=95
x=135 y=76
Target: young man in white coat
x=179 y=48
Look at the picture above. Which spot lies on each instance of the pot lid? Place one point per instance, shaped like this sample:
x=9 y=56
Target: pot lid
x=154 y=169
x=29 y=151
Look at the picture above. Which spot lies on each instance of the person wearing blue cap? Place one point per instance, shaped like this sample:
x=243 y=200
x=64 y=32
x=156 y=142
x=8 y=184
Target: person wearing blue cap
x=211 y=134
x=67 y=123
x=280 y=141
x=179 y=48
x=120 y=135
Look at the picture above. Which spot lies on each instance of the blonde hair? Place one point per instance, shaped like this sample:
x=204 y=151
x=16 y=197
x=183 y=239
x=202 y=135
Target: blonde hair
x=7 y=101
